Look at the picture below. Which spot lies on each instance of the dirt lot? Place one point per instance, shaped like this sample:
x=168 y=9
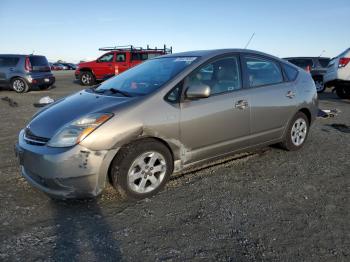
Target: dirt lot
x=269 y=205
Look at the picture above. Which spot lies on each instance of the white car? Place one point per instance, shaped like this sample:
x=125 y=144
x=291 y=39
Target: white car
x=338 y=74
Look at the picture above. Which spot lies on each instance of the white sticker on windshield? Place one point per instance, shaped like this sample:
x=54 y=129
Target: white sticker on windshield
x=188 y=60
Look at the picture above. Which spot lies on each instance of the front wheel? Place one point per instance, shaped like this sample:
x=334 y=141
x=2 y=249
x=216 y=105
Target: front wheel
x=297 y=132
x=141 y=169
x=87 y=78
x=19 y=85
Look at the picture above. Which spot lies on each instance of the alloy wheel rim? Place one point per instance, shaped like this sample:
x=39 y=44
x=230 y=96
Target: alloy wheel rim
x=86 y=78
x=299 y=131
x=319 y=85
x=18 y=85
x=147 y=172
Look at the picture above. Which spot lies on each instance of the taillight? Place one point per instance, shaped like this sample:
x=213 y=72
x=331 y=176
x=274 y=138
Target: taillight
x=343 y=61
x=27 y=65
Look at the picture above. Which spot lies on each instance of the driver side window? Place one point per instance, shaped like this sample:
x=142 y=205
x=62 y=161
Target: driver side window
x=221 y=75
x=106 y=58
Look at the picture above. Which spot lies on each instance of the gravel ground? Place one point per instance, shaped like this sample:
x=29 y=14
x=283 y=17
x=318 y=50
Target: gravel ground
x=268 y=205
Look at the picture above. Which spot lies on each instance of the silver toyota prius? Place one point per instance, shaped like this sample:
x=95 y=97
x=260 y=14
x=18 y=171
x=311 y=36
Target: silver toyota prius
x=164 y=116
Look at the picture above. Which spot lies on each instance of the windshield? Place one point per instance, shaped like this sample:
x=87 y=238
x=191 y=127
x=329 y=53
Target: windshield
x=146 y=77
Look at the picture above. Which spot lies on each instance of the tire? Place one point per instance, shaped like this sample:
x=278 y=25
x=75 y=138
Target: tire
x=19 y=85
x=296 y=133
x=134 y=176
x=320 y=86
x=87 y=78
x=343 y=92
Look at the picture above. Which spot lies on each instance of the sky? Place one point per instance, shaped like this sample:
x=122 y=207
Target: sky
x=74 y=30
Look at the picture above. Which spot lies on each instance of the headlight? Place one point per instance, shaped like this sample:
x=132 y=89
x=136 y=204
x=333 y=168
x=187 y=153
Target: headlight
x=74 y=132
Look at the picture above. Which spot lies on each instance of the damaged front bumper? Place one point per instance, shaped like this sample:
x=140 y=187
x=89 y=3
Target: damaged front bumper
x=74 y=172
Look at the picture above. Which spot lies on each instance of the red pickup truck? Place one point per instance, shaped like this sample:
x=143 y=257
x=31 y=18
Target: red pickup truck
x=115 y=61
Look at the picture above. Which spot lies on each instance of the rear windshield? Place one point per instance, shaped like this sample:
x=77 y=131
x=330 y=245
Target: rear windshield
x=38 y=61
x=39 y=64
x=302 y=62
x=324 y=61
x=146 y=77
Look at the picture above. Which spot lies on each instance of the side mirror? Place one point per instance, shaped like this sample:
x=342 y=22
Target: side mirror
x=198 y=91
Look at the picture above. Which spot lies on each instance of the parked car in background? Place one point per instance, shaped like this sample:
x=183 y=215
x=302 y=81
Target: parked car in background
x=163 y=116
x=69 y=66
x=317 y=66
x=116 y=61
x=24 y=72
x=338 y=74
x=57 y=66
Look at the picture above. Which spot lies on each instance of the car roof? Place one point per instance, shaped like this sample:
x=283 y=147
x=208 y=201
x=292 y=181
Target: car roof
x=307 y=57
x=215 y=52
x=18 y=55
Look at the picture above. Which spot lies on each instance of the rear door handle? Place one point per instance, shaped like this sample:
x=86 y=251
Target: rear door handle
x=241 y=104
x=290 y=94
x=11 y=69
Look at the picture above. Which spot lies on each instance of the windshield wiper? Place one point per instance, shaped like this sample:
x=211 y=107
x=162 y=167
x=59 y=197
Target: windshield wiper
x=115 y=91
x=112 y=90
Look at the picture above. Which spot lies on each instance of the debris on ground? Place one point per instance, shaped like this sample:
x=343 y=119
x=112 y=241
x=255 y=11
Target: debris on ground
x=341 y=127
x=11 y=102
x=325 y=113
x=44 y=101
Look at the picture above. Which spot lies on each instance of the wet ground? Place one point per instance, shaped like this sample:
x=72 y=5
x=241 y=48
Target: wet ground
x=269 y=205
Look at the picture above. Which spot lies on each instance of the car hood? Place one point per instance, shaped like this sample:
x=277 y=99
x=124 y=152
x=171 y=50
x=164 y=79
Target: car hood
x=84 y=64
x=47 y=122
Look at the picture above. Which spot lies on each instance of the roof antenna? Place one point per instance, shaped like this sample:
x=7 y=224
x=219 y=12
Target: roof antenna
x=323 y=51
x=250 y=39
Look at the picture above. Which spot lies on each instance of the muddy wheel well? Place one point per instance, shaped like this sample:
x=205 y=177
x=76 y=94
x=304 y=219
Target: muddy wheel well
x=139 y=140
x=86 y=69
x=307 y=113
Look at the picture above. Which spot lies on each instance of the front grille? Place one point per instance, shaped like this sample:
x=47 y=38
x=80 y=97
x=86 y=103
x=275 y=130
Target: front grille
x=32 y=139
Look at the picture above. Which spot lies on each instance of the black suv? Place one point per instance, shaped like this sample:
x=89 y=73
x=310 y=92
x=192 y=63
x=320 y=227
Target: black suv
x=23 y=72
x=317 y=66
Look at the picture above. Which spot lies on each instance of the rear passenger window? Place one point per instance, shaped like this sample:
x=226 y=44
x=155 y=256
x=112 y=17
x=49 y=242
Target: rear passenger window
x=221 y=76
x=291 y=72
x=263 y=72
x=302 y=62
x=152 y=55
x=8 y=61
x=120 y=57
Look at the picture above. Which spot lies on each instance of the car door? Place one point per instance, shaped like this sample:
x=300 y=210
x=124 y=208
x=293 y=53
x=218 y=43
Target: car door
x=272 y=98
x=104 y=67
x=218 y=124
x=121 y=62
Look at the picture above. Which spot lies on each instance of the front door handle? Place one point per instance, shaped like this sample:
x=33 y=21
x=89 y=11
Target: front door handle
x=241 y=104
x=290 y=94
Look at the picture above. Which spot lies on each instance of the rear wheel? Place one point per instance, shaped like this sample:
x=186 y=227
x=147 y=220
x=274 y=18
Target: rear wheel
x=320 y=86
x=297 y=132
x=87 y=78
x=141 y=169
x=19 y=85
x=343 y=91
